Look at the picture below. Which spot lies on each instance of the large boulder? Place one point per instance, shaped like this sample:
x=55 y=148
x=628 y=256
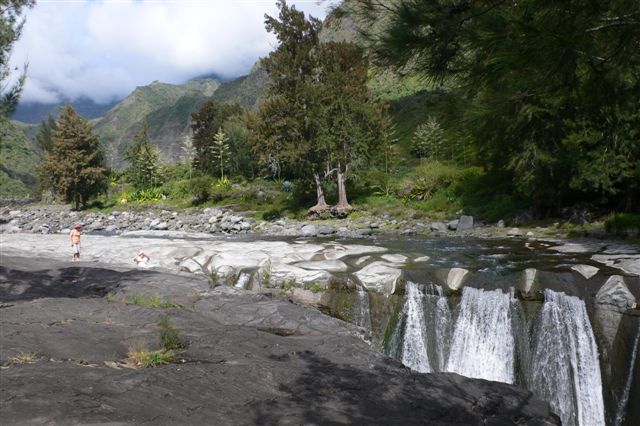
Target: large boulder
x=612 y=300
x=438 y=227
x=308 y=231
x=464 y=223
x=453 y=224
x=615 y=295
x=381 y=277
x=455 y=277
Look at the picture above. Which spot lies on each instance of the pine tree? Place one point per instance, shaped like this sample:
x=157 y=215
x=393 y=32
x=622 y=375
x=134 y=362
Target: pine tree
x=75 y=165
x=143 y=158
x=429 y=140
x=10 y=28
x=220 y=151
x=205 y=123
x=43 y=138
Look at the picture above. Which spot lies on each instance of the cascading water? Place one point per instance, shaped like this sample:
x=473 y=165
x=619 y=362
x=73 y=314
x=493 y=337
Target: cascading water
x=414 y=349
x=363 y=315
x=243 y=280
x=490 y=340
x=482 y=345
x=622 y=404
x=564 y=361
x=438 y=315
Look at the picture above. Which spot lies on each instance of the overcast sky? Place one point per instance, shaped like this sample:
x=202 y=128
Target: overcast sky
x=104 y=49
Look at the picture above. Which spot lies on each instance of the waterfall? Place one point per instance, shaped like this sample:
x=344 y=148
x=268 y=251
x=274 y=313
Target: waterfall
x=622 y=404
x=438 y=319
x=482 y=345
x=363 y=314
x=243 y=280
x=414 y=349
x=564 y=361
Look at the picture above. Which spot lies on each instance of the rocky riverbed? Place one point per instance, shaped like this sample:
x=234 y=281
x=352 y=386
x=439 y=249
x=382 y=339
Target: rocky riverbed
x=51 y=219
x=250 y=358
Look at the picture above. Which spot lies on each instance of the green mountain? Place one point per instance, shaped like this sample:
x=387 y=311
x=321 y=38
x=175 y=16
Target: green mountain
x=166 y=107
x=18 y=160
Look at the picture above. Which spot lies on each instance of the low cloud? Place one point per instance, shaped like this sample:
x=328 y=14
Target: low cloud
x=103 y=50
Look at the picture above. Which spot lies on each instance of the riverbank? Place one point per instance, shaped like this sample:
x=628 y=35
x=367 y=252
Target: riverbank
x=248 y=358
x=51 y=219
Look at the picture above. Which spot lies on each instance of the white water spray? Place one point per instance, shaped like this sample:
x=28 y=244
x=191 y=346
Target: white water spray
x=363 y=314
x=414 y=349
x=482 y=345
x=564 y=366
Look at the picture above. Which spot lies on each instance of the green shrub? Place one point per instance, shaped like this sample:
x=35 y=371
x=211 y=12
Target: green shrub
x=623 y=224
x=272 y=214
x=201 y=189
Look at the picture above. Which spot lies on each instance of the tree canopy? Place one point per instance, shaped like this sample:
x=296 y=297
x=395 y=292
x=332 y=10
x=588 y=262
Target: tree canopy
x=10 y=27
x=549 y=89
x=75 y=164
x=144 y=160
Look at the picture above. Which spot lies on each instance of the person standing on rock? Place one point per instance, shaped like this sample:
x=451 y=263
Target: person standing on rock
x=74 y=236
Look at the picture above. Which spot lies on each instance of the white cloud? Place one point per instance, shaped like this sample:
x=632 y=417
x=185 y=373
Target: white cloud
x=102 y=50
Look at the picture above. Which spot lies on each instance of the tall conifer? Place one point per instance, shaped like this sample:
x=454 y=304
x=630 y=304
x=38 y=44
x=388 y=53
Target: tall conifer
x=75 y=165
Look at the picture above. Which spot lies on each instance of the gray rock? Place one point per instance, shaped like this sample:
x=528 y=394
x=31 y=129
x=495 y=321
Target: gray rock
x=363 y=232
x=374 y=225
x=161 y=226
x=245 y=226
x=465 y=222
x=326 y=230
x=514 y=232
x=615 y=295
x=530 y=234
x=438 y=227
x=500 y=223
x=455 y=278
x=453 y=224
x=308 y=231
x=586 y=271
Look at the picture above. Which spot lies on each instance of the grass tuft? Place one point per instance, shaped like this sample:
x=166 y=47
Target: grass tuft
x=170 y=335
x=24 y=358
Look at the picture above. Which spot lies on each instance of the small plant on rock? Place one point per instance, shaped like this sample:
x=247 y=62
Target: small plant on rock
x=24 y=358
x=170 y=335
x=214 y=278
x=143 y=358
x=315 y=287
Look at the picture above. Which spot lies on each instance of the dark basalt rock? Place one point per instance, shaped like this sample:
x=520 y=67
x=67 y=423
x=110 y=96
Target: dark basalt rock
x=251 y=359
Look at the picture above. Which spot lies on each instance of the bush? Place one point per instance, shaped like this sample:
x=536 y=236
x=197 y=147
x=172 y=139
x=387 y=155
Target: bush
x=428 y=178
x=201 y=189
x=143 y=195
x=272 y=214
x=623 y=224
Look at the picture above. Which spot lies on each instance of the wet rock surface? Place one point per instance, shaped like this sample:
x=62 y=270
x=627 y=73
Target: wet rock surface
x=252 y=358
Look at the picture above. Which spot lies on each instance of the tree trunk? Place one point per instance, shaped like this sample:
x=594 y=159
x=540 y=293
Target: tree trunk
x=343 y=203
x=321 y=204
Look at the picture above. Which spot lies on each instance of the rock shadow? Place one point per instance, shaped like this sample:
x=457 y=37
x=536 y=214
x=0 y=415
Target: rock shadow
x=18 y=283
x=330 y=393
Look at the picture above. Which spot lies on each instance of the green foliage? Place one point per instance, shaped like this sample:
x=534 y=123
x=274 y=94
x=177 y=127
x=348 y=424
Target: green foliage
x=18 y=162
x=207 y=122
x=143 y=195
x=315 y=287
x=11 y=23
x=623 y=224
x=144 y=167
x=546 y=94
x=143 y=358
x=272 y=214
x=289 y=284
x=201 y=188
x=75 y=165
x=220 y=152
x=170 y=335
x=429 y=140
